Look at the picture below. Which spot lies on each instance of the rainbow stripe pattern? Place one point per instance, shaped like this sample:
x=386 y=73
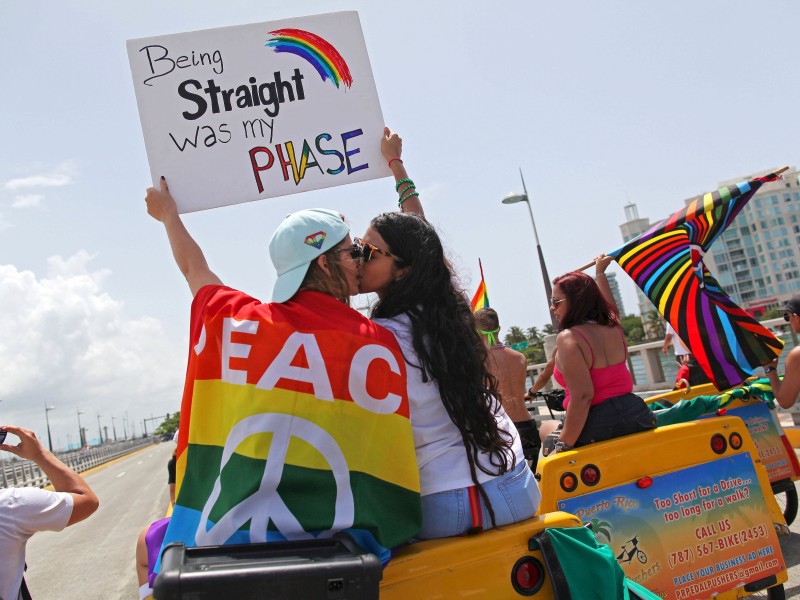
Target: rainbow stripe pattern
x=666 y=262
x=319 y=53
x=294 y=425
x=481 y=297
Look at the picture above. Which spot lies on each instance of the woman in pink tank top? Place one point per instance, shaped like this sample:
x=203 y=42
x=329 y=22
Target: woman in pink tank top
x=592 y=365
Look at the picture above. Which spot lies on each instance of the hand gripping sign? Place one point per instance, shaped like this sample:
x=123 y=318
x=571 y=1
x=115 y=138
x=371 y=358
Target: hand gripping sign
x=249 y=112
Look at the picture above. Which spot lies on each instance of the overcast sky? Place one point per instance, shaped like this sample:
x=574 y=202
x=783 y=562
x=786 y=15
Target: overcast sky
x=599 y=103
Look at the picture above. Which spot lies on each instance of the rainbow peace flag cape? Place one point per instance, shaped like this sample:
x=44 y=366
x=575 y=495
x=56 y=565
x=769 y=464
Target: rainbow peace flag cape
x=294 y=425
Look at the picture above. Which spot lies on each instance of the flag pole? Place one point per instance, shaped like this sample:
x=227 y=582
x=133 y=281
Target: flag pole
x=589 y=264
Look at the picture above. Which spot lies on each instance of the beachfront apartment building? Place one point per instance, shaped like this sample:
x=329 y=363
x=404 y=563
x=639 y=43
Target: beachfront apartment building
x=757 y=258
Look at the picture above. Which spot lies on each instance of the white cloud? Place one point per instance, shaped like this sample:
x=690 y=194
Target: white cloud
x=27 y=201
x=67 y=342
x=63 y=174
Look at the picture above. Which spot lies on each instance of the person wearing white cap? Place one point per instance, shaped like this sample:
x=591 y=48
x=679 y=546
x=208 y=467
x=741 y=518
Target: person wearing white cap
x=308 y=319
x=786 y=390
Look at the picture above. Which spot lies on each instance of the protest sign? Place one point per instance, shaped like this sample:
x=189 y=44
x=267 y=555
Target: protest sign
x=248 y=112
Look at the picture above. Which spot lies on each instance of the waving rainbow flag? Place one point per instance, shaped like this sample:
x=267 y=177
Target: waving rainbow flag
x=294 y=425
x=666 y=261
x=481 y=297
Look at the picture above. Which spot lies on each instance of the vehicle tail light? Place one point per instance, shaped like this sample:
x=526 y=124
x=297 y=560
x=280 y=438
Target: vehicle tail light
x=718 y=443
x=569 y=482
x=644 y=483
x=527 y=576
x=590 y=475
x=735 y=440
x=721 y=412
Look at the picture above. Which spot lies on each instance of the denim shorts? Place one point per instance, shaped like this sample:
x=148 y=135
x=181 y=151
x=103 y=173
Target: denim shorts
x=514 y=497
x=615 y=417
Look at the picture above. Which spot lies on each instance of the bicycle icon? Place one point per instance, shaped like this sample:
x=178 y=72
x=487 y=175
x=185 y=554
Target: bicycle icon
x=631 y=549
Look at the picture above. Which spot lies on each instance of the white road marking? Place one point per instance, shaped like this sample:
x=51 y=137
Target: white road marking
x=121 y=474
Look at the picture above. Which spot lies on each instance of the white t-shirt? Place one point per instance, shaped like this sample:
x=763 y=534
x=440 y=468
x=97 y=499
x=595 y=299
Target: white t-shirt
x=441 y=456
x=23 y=512
x=677 y=344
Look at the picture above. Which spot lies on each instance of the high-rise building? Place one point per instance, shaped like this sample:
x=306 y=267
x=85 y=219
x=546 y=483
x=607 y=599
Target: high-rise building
x=651 y=320
x=756 y=260
x=614 y=285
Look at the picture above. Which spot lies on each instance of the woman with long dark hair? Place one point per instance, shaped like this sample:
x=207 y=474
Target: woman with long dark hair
x=591 y=364
x=472 y=470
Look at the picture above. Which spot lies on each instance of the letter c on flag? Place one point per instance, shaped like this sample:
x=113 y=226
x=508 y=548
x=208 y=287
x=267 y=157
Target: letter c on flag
x=357 y=381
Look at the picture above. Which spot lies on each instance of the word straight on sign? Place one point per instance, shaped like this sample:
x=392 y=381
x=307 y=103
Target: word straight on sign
x=257 y=111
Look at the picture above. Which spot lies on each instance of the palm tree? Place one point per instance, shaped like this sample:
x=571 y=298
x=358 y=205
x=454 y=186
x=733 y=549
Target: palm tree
x=535 y=337
x=654 y=326
x=514 y=335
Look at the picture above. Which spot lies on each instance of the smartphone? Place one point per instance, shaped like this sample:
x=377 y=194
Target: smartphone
x=3 y=434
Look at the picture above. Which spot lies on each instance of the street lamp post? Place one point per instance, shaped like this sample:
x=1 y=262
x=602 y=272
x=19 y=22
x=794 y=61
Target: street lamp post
x=523 y=197
x=80 y=429
x=47 y=410
x=114 y=427
x=99 y=429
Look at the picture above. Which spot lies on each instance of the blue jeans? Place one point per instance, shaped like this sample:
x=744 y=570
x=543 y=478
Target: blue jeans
x=514 y=497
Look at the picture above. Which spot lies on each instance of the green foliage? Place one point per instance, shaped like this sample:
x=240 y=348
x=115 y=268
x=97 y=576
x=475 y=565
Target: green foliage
x=633 y=328
x=514 y=335
x=169 y=425
x=772 y=313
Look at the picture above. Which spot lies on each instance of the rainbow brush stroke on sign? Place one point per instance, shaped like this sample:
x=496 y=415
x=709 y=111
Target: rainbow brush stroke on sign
x=317 y=51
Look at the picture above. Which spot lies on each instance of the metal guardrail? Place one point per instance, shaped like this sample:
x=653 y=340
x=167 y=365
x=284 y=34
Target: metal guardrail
x=25 y=473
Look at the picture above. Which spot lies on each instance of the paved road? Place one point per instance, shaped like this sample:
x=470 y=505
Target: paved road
x=94 y=560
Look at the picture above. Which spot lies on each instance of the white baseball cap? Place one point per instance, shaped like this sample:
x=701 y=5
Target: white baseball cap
x=299 y=239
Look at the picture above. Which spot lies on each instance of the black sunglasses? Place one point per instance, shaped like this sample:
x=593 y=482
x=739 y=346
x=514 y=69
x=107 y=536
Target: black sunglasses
x=3 y=434
x=787 y=315
x=355 y=251
x=367 y=250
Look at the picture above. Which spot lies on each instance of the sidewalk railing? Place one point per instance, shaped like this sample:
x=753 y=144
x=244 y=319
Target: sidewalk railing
x=24 y=473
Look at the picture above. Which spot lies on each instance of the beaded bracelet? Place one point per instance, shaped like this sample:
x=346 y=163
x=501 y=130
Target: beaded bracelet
x=402 y=181
x=410 y=186
x=391 y=160
x=404 y=198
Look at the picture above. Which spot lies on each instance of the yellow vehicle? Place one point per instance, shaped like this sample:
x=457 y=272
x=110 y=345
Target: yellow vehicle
x=687 y=510
x=686 y=507
x=774 y=447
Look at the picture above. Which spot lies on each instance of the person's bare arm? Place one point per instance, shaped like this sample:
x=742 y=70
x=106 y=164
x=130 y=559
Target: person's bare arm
x=391 y=148
x=61 y=476
x=667 y=342
x=188 y=255
x=786 y=390
x=545 y=375
x=578 y=381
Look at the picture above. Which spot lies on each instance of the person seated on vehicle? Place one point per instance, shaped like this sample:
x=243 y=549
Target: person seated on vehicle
x=294 y=421
x=787 y=389
x=592 y=365
x=510 y=368
x=469 y=454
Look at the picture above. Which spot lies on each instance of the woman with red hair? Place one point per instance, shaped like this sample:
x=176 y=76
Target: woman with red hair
x=592 y=365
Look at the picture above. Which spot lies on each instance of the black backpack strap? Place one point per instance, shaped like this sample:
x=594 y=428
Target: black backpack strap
x=24 y=592
x=541 y=541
